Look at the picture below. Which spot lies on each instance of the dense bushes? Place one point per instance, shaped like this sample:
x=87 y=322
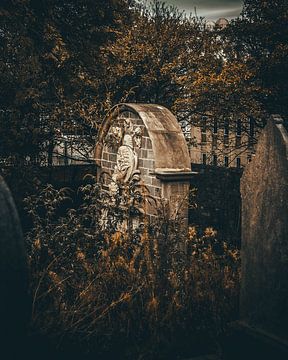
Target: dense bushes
x=113 y=287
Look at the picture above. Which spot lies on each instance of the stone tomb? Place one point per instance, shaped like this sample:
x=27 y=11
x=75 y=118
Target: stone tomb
x=145 y=143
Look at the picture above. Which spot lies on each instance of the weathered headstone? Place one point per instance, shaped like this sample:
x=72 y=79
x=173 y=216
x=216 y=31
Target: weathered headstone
x=145 y=143
x=264 y=190
x=14 y=300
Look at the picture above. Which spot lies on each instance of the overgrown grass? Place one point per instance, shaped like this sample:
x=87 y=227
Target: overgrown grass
x=142 y=292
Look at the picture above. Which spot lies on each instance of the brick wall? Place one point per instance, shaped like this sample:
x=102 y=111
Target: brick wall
x=146 y=160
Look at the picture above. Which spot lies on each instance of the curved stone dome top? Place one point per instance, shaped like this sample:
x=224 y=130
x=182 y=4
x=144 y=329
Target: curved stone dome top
x=168 y=143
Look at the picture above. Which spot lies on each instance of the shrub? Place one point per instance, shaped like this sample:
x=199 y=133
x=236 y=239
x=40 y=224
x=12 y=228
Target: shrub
x=112 y=287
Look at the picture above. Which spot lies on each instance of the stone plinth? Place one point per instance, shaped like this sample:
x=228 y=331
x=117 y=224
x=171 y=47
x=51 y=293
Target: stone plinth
x=145 y=143
x=264 y=191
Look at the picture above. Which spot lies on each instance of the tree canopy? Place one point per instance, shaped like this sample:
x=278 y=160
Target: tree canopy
x=260 y=39
x=64 y=64
x=50 y=67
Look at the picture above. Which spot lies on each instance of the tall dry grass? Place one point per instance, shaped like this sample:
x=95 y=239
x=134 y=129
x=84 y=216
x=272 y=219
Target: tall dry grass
x=126 y=291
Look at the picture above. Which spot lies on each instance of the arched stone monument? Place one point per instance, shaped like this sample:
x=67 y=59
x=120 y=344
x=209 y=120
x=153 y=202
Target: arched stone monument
x=145 y=143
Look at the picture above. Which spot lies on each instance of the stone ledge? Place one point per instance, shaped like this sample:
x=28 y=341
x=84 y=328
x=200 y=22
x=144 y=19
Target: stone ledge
x=173 y=175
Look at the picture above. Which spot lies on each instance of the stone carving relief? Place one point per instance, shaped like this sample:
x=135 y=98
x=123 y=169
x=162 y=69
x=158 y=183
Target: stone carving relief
x=128 y=140
x=146 y=138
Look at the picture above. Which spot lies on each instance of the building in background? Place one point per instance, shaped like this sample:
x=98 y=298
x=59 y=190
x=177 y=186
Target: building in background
x=220 y=143
x=73 y=150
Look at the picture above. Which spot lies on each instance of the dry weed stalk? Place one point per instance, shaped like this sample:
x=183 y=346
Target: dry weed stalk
x=103 y=286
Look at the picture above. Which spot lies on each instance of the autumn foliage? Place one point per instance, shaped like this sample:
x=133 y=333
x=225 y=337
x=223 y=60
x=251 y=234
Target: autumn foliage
x=64 y=65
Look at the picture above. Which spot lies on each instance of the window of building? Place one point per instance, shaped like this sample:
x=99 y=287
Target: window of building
x=204 y=159
x=251 y=132
x=226 y=161
x=215 y=126
x=203 y=124
x=203 y=137
x=238 y=141
x=238 y=127
x=238 y=162
x=238 y=133
x=215 y=160
x=214 y=141
x=251 y=127
x=203 y=129
x=226 y=127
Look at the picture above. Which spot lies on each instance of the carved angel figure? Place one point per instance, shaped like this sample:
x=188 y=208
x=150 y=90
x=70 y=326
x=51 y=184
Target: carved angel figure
x=126 y=168
x=126 y=160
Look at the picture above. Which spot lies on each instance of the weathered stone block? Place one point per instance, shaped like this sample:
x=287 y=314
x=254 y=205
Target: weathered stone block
x=144 y=153
x=112 y=157
x=149 y=144
x=156 y=182
x=264 y=191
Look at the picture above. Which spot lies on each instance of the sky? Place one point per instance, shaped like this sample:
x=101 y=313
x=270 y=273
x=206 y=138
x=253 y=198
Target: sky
x=210 y=9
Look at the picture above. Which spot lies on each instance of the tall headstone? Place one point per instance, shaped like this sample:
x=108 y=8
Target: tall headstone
x=145 y=143
x=264 y=191
x=14 y=299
